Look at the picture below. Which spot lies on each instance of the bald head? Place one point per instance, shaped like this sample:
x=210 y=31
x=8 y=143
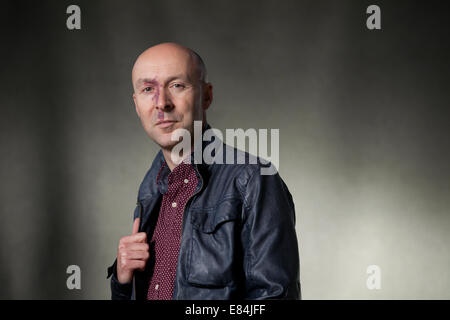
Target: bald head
x=170 y=91
x=170 y=53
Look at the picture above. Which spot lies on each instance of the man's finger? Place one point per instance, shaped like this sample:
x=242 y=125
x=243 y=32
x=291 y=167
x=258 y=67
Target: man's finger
x=135 y=264
x=136 y=224
x=137 y=237
x=137 y=246
x=136 y=255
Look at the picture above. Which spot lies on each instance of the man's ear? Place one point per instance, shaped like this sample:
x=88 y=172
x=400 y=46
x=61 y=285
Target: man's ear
x=207 y=95
x=135 y=105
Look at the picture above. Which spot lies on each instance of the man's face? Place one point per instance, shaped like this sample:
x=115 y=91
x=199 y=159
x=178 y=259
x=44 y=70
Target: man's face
x=167 y=94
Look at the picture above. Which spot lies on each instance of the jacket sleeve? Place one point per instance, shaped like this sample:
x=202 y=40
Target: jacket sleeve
x=271 y=256
x=119 y=291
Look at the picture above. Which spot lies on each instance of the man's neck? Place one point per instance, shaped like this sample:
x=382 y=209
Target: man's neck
x=167 y=156
x=167 y=152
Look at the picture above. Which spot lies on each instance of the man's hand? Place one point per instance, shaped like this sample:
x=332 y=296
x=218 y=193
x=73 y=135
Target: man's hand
x=132 y=254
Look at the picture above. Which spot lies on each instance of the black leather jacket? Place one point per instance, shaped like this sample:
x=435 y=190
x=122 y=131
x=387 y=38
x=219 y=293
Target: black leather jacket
x=238 y=235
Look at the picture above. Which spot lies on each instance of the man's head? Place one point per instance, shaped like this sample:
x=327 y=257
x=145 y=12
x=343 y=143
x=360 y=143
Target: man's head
x=170 y=91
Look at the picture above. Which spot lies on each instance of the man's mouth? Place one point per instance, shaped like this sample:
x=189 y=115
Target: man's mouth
x=165 y=123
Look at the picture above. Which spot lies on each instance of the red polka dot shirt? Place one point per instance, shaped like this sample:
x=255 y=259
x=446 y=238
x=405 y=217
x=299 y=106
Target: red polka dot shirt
x=181 y=185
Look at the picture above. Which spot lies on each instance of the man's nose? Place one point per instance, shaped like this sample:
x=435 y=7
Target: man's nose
x=163 y=101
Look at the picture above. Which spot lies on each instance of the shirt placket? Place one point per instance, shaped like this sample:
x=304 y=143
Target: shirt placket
x=179 y=184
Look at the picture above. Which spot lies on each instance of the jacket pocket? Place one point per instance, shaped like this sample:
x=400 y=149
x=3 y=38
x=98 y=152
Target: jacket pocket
x=215 y=244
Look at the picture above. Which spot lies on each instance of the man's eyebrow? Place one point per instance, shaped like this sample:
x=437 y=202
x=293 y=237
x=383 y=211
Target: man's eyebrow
x=142 y=81
x=145 y=80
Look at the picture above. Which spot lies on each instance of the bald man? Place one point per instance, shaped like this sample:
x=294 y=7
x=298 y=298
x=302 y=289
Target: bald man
x=201 y=231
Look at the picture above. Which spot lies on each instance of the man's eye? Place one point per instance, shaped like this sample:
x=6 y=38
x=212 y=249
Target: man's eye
x=148 y=89
x=178 y=85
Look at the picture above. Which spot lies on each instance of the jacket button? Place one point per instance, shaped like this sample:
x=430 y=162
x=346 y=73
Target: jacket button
x=157 y=287
x=174 y=204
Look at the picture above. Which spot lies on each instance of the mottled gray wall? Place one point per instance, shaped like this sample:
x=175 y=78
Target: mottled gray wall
x=363 y=118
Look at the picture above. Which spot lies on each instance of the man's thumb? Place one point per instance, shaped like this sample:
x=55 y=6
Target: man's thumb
x=136 y=224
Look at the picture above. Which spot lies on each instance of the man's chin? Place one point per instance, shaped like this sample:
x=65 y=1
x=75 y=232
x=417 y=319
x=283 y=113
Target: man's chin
x=163 y=137
x=165 y=141
x=166 y=146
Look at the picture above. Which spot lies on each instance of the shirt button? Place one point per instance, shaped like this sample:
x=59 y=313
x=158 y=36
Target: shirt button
x=186 y=181
x=157 y=287
x=174 y=204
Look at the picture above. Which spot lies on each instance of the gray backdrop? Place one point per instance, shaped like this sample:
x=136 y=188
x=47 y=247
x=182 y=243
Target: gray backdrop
x=363 y=118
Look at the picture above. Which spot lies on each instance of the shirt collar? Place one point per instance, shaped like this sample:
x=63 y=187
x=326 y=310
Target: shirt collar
x=164 y=171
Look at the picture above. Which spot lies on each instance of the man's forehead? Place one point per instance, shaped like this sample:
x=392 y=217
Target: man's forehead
x=150 y=69
x=162 y=79
x=155 y=66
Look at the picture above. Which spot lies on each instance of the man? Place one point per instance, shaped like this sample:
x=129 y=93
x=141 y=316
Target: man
x=201 y=231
